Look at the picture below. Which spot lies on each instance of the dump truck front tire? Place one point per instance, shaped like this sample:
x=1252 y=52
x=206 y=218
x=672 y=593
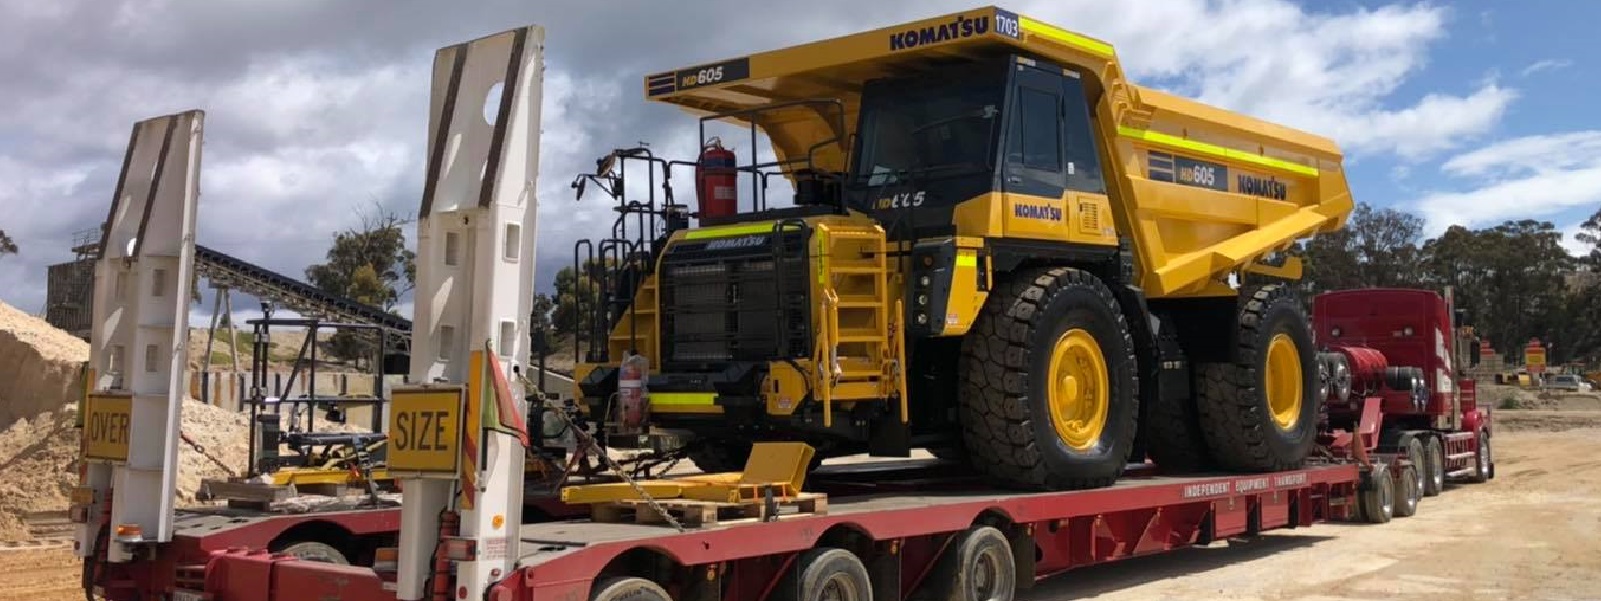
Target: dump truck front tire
x=1259 y=413
x=1049 y=395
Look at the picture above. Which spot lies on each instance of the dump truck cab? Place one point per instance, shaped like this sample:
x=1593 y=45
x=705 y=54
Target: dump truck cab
x=992 y=234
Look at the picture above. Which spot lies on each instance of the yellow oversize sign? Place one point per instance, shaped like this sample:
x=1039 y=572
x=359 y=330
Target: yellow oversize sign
x=105 y=426
x=425 y=430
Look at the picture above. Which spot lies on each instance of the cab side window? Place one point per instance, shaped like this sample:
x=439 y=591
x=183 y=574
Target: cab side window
x=1083 y=164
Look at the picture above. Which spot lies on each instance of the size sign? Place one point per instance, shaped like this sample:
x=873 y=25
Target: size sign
x=105 y=426
x=425 y=430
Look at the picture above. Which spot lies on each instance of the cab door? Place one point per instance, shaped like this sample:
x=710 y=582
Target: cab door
x=1051 y=180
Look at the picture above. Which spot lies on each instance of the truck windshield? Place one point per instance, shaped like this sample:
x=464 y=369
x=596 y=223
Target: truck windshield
x=926 y=125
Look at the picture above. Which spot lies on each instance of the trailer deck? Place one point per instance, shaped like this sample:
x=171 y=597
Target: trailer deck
x=1136 y=516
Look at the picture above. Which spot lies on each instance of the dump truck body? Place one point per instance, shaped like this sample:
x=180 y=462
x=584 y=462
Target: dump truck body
x=984 y=201
x=1200 y=191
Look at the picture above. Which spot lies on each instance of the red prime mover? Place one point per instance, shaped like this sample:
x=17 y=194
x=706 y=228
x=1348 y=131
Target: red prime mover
x=1398 y=424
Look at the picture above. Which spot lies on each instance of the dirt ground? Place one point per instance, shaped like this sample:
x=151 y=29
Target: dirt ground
x=1532 y=533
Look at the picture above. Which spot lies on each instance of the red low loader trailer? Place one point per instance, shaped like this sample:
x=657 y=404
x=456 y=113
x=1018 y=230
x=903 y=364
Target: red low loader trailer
x=1392 y=434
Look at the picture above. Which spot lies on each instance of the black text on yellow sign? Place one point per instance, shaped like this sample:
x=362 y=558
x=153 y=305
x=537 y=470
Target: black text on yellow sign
x=106 y=424
x=425 y=430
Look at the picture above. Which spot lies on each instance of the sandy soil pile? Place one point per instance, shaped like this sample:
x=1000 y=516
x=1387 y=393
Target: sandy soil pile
x=38 y=365
x=38 y=460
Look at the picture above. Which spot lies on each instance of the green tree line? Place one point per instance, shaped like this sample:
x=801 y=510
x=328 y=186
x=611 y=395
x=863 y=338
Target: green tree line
x=1515 y=280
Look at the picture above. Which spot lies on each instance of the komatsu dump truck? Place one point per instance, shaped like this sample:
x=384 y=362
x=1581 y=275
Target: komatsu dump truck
x=998 y=248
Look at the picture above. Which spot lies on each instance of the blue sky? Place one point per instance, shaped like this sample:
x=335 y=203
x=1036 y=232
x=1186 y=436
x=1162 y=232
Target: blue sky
x=1462 y=112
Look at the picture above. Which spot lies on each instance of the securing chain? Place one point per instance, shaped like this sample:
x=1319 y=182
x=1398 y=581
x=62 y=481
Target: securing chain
x=202 y=451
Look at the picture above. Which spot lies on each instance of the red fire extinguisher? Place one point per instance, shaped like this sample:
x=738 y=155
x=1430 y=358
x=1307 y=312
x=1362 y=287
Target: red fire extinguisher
x=715 y=179
x=632 y=405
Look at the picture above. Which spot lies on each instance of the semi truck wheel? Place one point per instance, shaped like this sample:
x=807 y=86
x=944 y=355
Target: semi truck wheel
x=1433 y=467
x=1415 y=453
x=1048 y=385
x=1377 y=502
x=1259 y=413
x=1408 y=491
x=977 y=566
x=825 y=574
x=629 y=589
x=1483 y=466
x=315 y=551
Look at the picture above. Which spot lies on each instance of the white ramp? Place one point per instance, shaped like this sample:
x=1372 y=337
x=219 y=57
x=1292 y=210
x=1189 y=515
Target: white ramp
x=474 y=293
x=140 y=336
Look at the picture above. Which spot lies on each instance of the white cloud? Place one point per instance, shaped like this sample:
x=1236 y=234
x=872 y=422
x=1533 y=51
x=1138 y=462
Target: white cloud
x=1549 y=64
x=317 y=110
x=1539 y=176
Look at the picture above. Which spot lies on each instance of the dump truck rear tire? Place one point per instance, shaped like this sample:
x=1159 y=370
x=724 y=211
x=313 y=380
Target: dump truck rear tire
x=1259 y=413
x=1051 y=329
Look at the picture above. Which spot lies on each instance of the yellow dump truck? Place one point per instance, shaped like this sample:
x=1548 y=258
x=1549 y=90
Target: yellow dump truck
x=998 y=249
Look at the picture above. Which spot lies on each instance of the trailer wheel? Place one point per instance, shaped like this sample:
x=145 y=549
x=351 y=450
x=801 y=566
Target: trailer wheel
x=1483 y=464
x=826 y=574
x=1048 y=385
x=1259 y=413
x=630 y=588
x=977 y=566
x=315 y=551
x=1409 y=486
x=1377 y=501
x=1434 y=467
x=1416 y=454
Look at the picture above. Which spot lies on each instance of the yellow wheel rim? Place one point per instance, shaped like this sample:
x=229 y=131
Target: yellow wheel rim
x=1079 y=396
x=1284 y=382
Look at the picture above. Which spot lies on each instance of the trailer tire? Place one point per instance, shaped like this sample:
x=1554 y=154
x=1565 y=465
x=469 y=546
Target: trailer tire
x=1416 y=453
x=1377 y=501
x=1255 y=418
x=1409 y=490
x=977 y=566
x=1049 y=329
x=317 y=552
x=629 y=588
x=825 y=570
x=1434 y=467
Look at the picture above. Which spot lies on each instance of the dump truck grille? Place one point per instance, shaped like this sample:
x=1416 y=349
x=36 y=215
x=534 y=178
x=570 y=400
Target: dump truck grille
x=725 y=301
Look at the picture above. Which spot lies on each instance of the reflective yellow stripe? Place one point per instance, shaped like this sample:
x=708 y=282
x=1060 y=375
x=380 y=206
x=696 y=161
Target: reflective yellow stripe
x=1215 y=150
x=724 y=231
x=1064 y=36
x=967 y=260
x=683 y=398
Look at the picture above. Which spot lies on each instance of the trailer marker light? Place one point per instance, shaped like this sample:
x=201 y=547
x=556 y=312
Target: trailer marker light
x=460 y=549
x=130 y=533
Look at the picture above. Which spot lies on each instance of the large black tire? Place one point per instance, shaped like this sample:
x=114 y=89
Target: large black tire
x=1236 y=415
x=1483 y=466
x=1434 y=467
x=825 y=573
x=628 y=588
x=977 y=566
x=1377 y=503
x=1416 y=453
x=315 y=551
x=1173 y=435
x=1006 y=415
x=1408 y=491
x=713 y=456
